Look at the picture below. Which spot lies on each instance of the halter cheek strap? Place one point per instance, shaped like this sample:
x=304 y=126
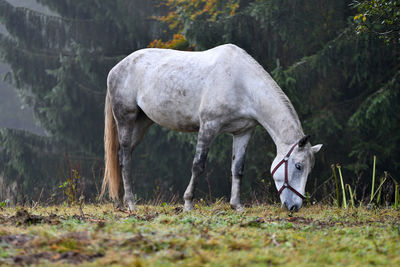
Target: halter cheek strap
x=286 y=182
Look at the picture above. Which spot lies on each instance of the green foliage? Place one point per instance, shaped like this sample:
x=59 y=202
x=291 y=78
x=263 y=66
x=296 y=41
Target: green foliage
x=39 y=163
x=30 y=156
x=377 y=119
x=381 y=17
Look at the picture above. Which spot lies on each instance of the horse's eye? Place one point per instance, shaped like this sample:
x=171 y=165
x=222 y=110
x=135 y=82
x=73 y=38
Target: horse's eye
x=298 y=166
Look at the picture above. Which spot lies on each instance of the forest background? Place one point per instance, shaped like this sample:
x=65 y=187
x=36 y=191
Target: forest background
x=338 y=62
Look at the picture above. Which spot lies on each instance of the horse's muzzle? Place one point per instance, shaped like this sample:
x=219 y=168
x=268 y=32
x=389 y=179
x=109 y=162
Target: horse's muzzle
x=292 y=206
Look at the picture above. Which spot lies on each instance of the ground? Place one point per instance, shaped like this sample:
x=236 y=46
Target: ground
x=98 y=235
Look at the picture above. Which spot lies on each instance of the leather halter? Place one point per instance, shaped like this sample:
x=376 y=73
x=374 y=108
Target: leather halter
x=286 y=182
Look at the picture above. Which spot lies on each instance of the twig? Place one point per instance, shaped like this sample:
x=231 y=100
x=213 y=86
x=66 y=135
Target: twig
x=81 y=199
x=343 y=188
x=40 y=196
x=209 y=185
x=373 y=180
x=337 y=186
x=377 y=190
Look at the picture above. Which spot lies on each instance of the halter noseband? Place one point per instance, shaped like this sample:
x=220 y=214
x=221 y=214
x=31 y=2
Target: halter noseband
x=286 y=182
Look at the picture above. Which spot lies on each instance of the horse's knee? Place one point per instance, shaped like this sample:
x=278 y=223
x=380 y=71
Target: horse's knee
x=125 y=144
x=198 y=167
x=199 y=164
x=238 y=171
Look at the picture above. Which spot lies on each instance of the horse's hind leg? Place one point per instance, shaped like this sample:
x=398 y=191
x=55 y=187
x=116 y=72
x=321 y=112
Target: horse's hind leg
x=131 y=129
x=206 y=135
x=240 y=142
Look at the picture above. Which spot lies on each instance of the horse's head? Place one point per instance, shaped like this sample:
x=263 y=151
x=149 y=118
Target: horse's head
x=290 y=172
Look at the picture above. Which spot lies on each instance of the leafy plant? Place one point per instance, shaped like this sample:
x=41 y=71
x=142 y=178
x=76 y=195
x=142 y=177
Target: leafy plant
x=71 y=188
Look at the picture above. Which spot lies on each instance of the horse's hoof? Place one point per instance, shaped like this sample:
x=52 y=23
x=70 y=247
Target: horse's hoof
x=238 y=208
x=188 y=206
x=131 y=207
x=118 y=205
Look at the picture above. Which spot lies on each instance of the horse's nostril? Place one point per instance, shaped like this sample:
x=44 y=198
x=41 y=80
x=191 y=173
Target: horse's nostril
x=290 y=207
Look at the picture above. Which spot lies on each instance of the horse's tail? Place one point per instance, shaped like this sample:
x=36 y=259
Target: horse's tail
x=111 y=145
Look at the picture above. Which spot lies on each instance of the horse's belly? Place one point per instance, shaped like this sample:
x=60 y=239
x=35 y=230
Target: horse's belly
x=172 y=113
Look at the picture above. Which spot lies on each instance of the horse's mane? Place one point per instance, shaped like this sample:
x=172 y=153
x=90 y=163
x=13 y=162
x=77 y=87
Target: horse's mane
x=265 y=75
x=286 y=101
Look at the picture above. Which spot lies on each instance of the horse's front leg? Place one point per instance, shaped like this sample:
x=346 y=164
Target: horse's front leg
x=205 y=137
x=240 y=143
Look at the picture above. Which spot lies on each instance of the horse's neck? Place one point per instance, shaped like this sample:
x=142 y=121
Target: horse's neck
x=282 y=129
x=277 y=115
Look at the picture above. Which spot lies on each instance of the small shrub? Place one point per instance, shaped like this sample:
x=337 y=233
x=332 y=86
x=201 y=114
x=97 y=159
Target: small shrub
x=71 y=188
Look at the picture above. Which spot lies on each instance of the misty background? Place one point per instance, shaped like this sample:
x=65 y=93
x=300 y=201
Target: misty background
x=338 y=62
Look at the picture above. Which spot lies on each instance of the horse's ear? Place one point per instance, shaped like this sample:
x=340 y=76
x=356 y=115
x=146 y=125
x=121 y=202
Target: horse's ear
x=316 y=148
x=303 y=141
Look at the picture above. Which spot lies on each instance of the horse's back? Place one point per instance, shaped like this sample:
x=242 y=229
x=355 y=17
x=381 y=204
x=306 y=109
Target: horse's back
x=173 y=87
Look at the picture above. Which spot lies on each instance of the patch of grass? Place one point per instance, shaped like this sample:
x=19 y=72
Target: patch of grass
x=208 y=236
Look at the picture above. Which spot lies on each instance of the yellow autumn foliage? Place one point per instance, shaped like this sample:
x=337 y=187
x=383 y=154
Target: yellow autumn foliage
x=192 y=10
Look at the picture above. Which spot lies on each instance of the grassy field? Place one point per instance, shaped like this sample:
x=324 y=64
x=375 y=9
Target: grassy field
x=209 y=236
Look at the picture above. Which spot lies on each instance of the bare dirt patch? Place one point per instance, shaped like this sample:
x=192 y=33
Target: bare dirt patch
x=71 y=257
x=23 y=218
x=15 y=240
x=30 y=246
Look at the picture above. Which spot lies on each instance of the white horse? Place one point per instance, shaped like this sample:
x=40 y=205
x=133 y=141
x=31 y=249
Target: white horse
x=221 y=90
